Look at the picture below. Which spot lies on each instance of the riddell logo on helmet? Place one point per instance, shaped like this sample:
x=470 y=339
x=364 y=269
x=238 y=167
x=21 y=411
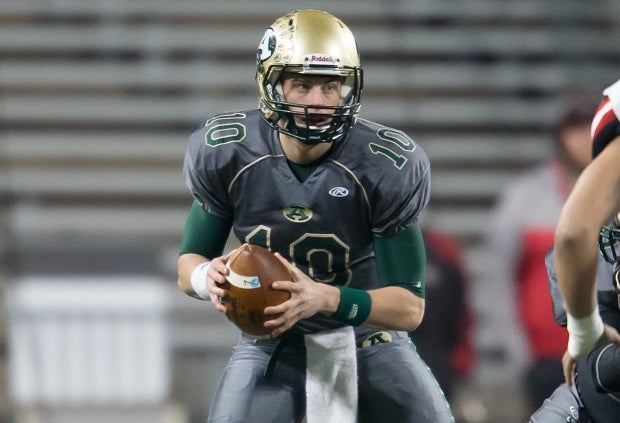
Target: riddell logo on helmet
x=320 y=59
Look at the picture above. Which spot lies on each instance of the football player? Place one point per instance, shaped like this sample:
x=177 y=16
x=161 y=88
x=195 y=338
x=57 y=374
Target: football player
x=339 y=198
x=588 y=284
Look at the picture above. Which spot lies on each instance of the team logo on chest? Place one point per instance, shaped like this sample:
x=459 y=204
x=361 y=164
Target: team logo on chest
x=297 y=214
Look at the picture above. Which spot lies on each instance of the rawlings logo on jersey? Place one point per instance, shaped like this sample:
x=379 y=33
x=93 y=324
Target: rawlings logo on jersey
x=338 y=192
x=297 y=214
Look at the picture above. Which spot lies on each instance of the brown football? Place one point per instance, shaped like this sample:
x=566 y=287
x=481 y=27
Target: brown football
x=252 y=271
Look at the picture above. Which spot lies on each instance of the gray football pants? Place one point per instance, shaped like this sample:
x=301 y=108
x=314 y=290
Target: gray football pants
x=394 y=384
x=595 y=395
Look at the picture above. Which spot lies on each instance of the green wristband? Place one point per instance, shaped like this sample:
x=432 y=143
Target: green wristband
x=354 y=306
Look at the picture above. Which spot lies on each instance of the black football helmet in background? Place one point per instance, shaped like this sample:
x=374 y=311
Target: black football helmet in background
x=609 y=240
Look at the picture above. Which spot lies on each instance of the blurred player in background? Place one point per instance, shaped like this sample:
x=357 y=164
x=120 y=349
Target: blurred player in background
x=444 y=338
x=588 y=285
x=519 y=234
x=338 y=197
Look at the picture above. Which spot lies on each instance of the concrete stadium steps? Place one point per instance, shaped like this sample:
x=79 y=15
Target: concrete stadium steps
x=203 y=76
x=98 y=99
x=481 y=11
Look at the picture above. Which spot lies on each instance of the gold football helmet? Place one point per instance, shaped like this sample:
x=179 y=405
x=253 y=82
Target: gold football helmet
x=309 y=42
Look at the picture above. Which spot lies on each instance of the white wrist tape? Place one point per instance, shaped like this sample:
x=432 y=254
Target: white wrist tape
x=583 y=333
x=199 y=280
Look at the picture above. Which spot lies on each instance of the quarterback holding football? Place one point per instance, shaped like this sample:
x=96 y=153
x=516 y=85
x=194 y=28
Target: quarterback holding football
x=336 y=198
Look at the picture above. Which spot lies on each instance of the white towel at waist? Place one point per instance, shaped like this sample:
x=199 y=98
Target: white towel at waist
x=331 y=376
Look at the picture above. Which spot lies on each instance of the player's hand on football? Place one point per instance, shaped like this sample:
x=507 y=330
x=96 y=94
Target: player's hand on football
x=610 y=336
x=307 y=298
x=216 y=278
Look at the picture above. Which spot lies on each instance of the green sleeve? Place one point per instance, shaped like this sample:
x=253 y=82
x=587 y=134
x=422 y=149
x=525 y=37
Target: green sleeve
x=401 y=260
x=205 y=233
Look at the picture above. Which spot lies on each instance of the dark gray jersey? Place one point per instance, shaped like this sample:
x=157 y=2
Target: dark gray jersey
x=375 y=183
x=606 y=293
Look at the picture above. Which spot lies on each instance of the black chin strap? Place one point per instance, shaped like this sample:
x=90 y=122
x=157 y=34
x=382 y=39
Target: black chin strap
x=305 y=135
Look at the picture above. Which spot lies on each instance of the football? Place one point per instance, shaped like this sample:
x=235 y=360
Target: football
x=252 y=271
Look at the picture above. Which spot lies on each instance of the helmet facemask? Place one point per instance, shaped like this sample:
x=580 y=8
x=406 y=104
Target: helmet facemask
x=309 y=42
x=296 y=120
x=609 y=241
